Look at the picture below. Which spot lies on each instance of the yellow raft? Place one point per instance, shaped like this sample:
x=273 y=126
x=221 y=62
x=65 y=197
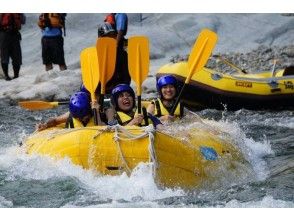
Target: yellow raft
x=192 y=159
x=209 y=88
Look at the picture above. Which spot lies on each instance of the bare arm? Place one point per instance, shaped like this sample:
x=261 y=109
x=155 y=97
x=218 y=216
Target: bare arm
x=52 y=122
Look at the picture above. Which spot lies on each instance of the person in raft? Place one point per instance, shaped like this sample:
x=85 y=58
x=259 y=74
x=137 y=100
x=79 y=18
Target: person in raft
x=123 y=101
x=167 y=88
x=79 y=115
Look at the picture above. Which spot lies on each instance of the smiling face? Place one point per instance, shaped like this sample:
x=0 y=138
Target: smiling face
x=168 y=92
x=125 y=101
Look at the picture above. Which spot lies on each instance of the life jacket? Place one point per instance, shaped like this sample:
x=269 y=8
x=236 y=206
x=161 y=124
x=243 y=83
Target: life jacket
x=110 y=18
x=124 y=119
x=75 y=123
x=56 y=20
x=160 y=110
x=11 y=21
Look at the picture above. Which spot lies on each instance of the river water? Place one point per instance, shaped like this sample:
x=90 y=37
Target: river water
x=266 y=137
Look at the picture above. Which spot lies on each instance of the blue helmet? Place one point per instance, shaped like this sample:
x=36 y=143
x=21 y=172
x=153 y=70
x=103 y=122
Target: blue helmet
x=119 y=89
x=166 y=80
x=79 y=105
x=83 y=89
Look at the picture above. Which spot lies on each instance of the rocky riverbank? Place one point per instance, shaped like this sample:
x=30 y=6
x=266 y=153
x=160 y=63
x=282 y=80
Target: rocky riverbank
x=260 y=59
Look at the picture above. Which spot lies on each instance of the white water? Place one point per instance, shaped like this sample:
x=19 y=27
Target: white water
x=139 y=189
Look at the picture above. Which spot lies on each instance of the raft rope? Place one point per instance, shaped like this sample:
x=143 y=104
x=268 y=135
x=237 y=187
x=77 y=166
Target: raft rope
x=122 y=133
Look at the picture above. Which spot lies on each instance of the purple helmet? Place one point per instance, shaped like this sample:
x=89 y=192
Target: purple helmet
x=119 y=89
x=79 y=105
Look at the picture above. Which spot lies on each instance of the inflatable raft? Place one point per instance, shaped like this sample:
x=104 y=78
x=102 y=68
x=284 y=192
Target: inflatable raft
x=211 y=89
x=189 y=160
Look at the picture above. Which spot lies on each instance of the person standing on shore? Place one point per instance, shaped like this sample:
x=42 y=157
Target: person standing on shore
x=10 y=24
x=52 y=40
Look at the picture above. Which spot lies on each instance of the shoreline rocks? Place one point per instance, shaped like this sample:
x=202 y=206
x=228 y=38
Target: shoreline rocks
x=260 y=59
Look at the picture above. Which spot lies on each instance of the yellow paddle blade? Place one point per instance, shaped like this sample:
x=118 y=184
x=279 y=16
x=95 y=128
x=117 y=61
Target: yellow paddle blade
x=106 y=52
x=200 y=52
x=90 y=71
x=138 y=60
x=37 y=105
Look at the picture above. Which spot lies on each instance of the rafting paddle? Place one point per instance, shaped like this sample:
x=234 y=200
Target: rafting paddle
x=39 y=105
x=138 y=62
x=43 y=105
x=90 y=74
x=199 y=55
x=106 y=53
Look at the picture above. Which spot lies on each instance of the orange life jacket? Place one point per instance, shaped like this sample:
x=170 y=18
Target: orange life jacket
x=11 y=21
x=55 y=20
x=110 y=18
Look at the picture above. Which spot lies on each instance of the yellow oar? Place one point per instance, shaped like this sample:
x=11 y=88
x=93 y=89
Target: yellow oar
x=106 y=52
x=39 y=105
x=138 y=62
x=90 y=74
x=199 y=55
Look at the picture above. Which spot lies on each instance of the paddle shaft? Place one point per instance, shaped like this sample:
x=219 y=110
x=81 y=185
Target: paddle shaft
x=139 y=104
x=95 y=116
x=101 y=102
x=63 y=103
x=144 y=110
x=178 y=100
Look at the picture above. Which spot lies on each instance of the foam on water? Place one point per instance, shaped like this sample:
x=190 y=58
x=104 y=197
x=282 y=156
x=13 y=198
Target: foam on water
x=5 y=203
x=230 y=131
x=252 y=150
x=139 y=185
x=138 y=189
x=266 y=202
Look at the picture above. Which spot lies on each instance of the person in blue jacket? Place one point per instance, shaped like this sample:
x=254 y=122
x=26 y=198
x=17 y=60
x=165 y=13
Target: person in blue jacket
x=52 y=40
